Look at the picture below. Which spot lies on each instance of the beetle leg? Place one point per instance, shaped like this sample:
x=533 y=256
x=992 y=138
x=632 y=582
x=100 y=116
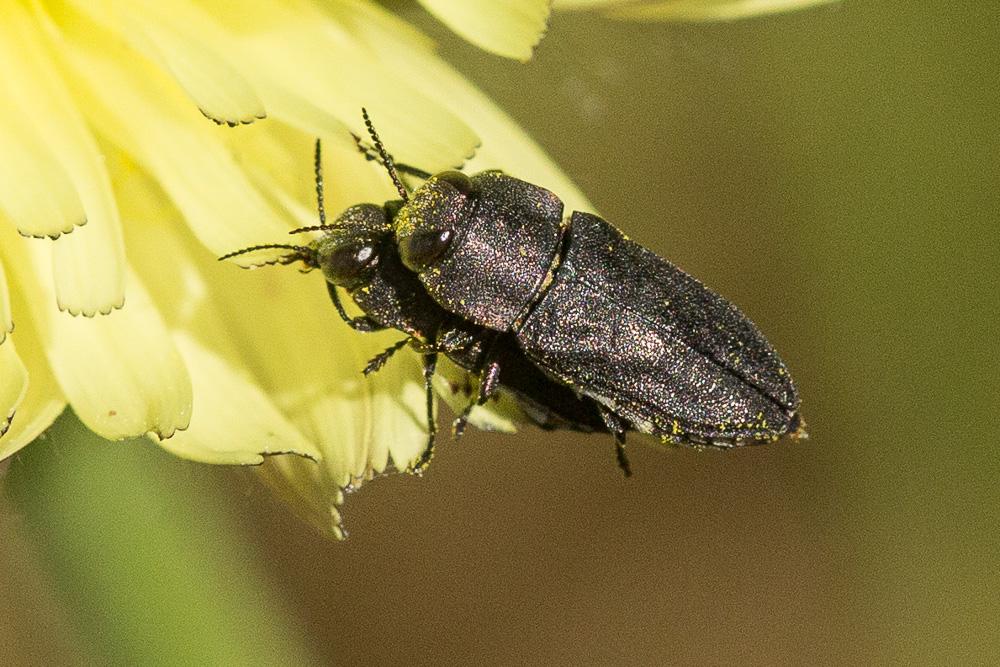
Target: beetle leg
x=489 y=383
x=456 y=340
x=430 y=364
x=617 y=428
x=372 y=156
x=451 y=341
x=378 y=361
x=424 y=347
x=361 y=323
x=451 y=345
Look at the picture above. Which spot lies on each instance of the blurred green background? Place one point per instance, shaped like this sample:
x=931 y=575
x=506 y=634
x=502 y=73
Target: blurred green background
x=833 y=172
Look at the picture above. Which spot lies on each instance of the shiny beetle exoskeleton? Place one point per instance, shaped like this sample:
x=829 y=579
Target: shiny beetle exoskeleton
x=585 y=327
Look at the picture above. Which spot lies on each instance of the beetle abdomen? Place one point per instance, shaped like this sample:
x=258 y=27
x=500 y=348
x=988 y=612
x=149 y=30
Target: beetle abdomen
x=654 y=345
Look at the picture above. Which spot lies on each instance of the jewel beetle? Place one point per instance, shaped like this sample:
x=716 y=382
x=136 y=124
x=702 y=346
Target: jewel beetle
x=655 y=348
x=358 y=253
x=566 y=304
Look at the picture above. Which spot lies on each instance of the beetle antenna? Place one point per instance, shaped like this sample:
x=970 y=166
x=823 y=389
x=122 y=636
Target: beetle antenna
x=314 y=228
x=299 y=252
x=320 y=206
x=318 y=170
x=386 y=158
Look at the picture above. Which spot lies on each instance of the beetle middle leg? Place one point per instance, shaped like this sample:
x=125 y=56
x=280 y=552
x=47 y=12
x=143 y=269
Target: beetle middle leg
x=378 y=361
x=451 y=341
x=617 y=427
x=430 y=365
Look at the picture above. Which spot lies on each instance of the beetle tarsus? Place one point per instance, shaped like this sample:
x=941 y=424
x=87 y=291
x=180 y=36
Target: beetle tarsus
x=622 y=457
x=378 y=361
x=617 y=427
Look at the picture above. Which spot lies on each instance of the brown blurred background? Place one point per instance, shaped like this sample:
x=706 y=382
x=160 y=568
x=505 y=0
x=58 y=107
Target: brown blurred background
x=834 y=173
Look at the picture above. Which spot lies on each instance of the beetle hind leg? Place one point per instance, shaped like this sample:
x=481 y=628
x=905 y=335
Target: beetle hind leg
x=489 y=383
x=616 y=426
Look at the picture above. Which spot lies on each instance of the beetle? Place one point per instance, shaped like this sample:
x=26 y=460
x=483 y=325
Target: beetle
x=358 y=253
x=567 y=306
x=657 y=350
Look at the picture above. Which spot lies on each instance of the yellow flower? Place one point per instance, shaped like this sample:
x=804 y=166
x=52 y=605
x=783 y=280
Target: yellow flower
x=117 y=196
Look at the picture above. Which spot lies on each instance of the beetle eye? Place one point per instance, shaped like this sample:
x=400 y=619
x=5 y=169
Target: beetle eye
x=456 y=179
x=424 y=248
x=347 y=265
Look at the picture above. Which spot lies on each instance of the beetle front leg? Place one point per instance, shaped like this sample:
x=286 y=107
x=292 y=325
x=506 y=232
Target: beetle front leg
x=451 y=341
x=362 y=323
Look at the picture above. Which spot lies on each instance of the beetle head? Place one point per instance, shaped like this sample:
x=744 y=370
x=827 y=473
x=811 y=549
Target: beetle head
x=350 y=248
x=428 y=223
x=347 y=253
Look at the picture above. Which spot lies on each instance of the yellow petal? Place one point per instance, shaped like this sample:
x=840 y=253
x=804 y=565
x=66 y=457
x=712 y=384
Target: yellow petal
x=35 y=191
x=711 y=10
x=399 y=408
x=177 y=35
x=121 y=372
x=151 y=118
x=278 y=324
x=307 y=492
x=42 y=401
x=455 y=386
x=233 y=420
x=85 y=272
x=89 y=267
x=367 y=433
x=510 y=28
x=13 y=387
x=289 y=45
x=589 y=4
x=504 y=144
x=343 y=432
x=37 y=405
x=6 y=315
x=278 y=159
